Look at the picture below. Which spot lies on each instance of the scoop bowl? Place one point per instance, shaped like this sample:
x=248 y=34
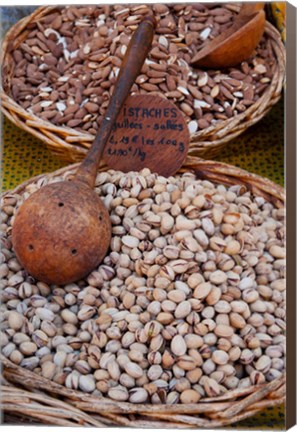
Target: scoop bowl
x=234 y=45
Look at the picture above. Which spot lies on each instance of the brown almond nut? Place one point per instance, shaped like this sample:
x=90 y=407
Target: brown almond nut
x=203 y=124
x=80 y=114
x=171 y=83
x=48 y=115
x=156 y=73
x=71 y=108
x=91 y=107
x=89 y=91
x=149 y=87
x=50 y=60
x=156 y=80
x=73 y=123
x=174 y=94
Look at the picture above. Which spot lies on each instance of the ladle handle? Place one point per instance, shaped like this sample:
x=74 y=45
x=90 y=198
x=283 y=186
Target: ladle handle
x=248 y=9
x=134 y=58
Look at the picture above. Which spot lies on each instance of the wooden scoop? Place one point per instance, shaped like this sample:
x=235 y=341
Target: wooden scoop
x=62 y=231
x=237 y=43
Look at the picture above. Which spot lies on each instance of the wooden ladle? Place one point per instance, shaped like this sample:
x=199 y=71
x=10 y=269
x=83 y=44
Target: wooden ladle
x=237 y=43
x=62 y=231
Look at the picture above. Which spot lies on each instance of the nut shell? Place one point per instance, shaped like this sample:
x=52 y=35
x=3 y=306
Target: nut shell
x=61 y=232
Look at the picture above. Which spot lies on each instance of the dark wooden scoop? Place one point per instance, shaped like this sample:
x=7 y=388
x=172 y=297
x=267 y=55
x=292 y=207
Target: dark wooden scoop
x=62 y=232
x=237 y=43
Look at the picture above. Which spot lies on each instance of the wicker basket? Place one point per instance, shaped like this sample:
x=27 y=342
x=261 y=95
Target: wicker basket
x=27 y=397
x=71 y=145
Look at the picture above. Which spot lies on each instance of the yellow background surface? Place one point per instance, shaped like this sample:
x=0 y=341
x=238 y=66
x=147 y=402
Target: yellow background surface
x=259 y=150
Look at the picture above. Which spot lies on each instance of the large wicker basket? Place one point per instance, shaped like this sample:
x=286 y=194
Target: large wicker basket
x=71 y=145
x=27 y=397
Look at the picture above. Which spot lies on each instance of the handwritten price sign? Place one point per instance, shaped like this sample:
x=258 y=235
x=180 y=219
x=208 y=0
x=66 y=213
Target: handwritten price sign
x=150 y=132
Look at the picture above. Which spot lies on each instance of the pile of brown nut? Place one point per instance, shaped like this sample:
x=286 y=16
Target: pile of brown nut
x=188 y=303
x=66 y=67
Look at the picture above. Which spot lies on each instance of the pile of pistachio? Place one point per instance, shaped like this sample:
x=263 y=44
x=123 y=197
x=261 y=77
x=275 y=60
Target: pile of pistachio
x=189 y=302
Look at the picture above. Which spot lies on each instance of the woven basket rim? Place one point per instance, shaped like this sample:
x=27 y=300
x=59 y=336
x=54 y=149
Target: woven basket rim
x=227 y=408
x=71 y=145
x=203 y=168
x=224 y=410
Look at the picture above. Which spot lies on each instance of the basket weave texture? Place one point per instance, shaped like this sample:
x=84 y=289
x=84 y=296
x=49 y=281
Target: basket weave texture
x=31 y=398
x=71 y=145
